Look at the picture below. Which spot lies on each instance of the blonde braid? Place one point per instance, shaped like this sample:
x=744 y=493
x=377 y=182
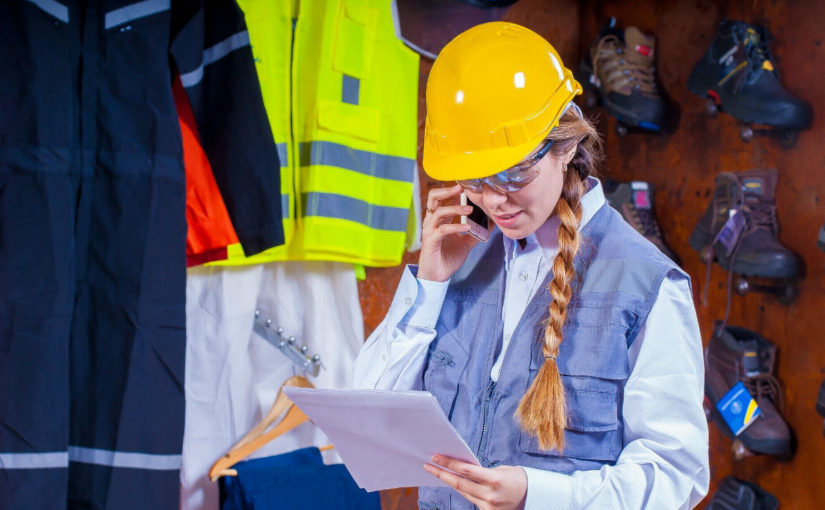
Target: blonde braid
x=543 y=411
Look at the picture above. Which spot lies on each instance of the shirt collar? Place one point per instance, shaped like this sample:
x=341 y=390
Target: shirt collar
x=546 y=237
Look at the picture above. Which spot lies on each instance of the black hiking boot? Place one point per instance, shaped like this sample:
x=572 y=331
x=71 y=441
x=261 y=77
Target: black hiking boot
x=737 y=73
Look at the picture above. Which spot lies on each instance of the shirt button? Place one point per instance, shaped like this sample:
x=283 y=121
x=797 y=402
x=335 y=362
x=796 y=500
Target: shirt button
x=383 y=357
x=407 y=301
x=523 y=276
x=506 y=338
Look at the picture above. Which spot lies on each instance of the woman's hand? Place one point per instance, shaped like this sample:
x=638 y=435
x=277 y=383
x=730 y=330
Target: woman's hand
x=442 y=251
x=501 y=487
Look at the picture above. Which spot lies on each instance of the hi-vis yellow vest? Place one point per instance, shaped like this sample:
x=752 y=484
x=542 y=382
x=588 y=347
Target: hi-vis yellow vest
x=341 y=93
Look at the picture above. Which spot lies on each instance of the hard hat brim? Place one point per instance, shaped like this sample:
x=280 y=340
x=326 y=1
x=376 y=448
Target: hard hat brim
x=474 y=165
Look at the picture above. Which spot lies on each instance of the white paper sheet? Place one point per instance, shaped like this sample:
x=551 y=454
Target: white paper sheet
x=383 y=437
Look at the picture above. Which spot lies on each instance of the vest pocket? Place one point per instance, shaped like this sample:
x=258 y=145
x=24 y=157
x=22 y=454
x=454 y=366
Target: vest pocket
x=593 y=423
x=446 y=362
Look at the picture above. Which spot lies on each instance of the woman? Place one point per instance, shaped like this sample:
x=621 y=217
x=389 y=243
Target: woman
x=564 y=349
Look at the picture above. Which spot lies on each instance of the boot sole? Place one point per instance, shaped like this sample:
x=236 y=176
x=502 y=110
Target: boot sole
x=704 y=88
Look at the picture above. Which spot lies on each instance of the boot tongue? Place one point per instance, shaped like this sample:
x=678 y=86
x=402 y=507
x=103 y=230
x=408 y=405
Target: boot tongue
x=640 y=47
x=757 y=358
x=759 y=184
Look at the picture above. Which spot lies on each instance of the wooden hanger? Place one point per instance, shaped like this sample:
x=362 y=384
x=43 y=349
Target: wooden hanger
x=256 y=437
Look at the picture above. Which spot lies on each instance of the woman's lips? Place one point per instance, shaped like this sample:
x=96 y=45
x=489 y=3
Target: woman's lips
x=506 y=220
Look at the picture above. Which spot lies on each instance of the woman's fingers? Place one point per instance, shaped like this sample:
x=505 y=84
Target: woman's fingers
x=468 y=488
x=445 y=214
x=465 y=469
x=438 y=195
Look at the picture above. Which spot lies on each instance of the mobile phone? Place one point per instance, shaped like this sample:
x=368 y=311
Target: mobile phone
x=478 y=221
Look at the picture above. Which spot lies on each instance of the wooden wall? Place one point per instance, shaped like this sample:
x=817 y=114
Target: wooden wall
x=681 y=166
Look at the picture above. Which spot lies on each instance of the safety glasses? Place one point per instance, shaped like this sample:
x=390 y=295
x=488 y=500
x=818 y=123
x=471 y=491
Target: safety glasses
x=512 y=179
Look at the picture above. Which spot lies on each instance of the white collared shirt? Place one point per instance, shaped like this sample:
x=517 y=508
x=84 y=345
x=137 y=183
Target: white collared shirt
x=664 y=461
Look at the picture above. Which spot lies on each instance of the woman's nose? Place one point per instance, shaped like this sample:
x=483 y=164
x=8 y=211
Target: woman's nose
x=492 y=197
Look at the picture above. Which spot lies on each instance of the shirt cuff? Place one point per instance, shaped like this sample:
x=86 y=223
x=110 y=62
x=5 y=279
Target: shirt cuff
x=547 y=489
x=429 y=297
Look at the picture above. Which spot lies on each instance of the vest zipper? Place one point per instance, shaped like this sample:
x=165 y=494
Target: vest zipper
x=487 y=398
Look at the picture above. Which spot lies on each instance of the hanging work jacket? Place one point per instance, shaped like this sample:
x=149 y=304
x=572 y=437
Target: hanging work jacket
x=92 y=235
x=208 y=227
x=618 y=275
x=341 y=92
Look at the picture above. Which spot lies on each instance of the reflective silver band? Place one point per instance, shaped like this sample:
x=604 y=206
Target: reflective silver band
x=134 y=11
x=34 y=460
x=124 y=459
x=350 y=89
x=53 y=8
x=395 y=168
x=283 y=157
x=284 y=205
x=330 y=205
x=213 y=54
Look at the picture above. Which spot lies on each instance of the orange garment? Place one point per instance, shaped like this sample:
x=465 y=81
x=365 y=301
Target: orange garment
x=209 y=230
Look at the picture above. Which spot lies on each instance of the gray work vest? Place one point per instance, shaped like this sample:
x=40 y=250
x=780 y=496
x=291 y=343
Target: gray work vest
x=618 y=275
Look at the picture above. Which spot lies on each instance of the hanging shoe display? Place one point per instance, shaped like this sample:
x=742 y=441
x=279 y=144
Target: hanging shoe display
x=734 y=355
x=620 y=66
x=634 y=200
x=736 y=494
x=737 y=74
x=743 y=204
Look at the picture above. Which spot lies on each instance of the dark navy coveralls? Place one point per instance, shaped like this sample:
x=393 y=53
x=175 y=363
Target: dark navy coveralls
x=92 y=235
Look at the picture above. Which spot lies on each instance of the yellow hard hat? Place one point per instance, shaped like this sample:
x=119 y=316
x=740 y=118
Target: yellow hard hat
x=494 y=93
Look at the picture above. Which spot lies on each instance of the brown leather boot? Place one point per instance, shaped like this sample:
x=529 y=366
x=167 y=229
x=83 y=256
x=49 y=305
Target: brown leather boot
x=634 y=201
x=737 y=354
x=758 y=252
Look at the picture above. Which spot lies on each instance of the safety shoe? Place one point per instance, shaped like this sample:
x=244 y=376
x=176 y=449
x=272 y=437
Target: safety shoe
x=736 y=494
x=737 y=71
x=756 y=251
x=620 y=66
x=634 y=201
x=737 y=354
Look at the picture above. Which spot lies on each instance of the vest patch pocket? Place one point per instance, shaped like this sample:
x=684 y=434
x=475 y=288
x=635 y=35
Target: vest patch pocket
x=592 y=430
x=446 y=362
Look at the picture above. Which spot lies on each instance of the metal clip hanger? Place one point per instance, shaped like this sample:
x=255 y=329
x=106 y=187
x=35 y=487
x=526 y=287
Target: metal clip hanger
x=310 y=365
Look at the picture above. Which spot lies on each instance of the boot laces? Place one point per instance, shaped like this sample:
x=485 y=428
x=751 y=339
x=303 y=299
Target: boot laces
x=646 y=222
x=760 y=213
x=755 y=42
x=764 y=385
x=621 y=68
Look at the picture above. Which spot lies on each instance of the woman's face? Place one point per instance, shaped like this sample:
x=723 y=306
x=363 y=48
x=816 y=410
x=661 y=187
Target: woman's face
x=520 y=213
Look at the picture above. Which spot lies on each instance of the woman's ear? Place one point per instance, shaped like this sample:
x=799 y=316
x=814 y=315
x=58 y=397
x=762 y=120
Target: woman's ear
x=568 y=156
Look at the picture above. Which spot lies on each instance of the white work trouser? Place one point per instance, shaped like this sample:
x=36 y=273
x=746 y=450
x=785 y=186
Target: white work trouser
x=233 y=375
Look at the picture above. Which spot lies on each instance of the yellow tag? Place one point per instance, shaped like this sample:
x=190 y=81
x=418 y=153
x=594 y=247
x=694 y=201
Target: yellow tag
x=766 y=65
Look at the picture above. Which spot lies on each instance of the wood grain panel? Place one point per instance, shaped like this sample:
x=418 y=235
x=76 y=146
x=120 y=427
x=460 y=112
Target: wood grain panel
x=681 y=165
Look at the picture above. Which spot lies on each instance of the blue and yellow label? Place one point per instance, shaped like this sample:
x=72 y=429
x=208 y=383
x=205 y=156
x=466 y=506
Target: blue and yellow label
x=738 y=408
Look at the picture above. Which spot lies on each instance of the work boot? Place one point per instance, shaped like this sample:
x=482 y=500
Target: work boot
x=621 y=67
x=737 y=354
x=757 y=251
x=736 y=494
x=634 y=201
x=737 y=71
